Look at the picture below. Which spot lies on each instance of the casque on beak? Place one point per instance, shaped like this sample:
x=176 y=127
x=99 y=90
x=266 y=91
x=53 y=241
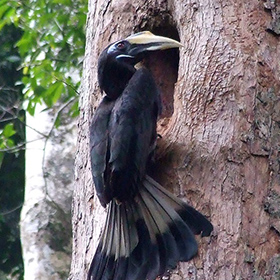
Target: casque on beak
x=147 y=41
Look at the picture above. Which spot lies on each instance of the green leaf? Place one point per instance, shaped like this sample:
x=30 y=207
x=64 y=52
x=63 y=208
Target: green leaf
x=39 y=90
x=8 y=130
x=53 y=93
x=10 y=143
x=31 y=108
x=3 y=9
x=57 y=93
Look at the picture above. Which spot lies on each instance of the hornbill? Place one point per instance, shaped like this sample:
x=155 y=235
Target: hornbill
x=147 y=229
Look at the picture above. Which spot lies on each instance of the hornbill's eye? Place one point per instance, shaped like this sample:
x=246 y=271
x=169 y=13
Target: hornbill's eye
x=121 y=46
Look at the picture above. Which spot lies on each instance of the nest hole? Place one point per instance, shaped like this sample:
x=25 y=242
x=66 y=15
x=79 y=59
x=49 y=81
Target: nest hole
x=164 y=64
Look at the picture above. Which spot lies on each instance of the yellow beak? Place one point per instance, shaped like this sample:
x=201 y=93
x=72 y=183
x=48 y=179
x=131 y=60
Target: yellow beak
x=151 y=42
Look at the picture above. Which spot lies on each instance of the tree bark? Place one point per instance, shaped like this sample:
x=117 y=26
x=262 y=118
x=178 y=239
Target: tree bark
x=45 y=224
x=220 y=140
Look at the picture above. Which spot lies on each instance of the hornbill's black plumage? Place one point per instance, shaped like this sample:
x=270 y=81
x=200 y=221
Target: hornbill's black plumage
x=147 y=230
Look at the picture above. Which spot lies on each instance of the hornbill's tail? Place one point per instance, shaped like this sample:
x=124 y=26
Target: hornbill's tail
x=144 y=237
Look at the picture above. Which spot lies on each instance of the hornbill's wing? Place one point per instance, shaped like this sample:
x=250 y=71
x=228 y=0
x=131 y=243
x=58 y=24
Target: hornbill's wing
x=99 y=147
x=132 y=133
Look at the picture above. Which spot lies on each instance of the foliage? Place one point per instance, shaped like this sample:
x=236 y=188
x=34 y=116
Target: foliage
x=52 y=44
x=42 y=45
x=51 y=48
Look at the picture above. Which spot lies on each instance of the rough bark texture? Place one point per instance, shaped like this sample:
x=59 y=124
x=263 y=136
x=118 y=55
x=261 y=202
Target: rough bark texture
x=220 y=137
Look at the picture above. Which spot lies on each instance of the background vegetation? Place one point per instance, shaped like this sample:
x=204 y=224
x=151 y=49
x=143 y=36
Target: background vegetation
x=41 y=50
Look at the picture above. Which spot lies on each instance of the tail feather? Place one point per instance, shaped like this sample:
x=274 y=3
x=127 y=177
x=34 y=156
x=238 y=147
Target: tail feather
x=186 y=243
x=139 y=265
x=156 y=230
x=146 y=236
x=166 y=244
x=120 y=264
x=178 y=228
x=195 y=220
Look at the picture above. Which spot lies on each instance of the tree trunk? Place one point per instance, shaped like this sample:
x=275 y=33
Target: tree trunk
x=45 y=217
x=220 y=128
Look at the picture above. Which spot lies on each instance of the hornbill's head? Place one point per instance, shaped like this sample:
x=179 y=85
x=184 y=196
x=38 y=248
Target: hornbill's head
x=116 y=62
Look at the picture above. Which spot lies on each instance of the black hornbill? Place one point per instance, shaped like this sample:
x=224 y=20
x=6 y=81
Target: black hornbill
x=147 y=229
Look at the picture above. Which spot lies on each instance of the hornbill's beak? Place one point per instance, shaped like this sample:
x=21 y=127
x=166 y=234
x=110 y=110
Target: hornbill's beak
x=146 y=41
